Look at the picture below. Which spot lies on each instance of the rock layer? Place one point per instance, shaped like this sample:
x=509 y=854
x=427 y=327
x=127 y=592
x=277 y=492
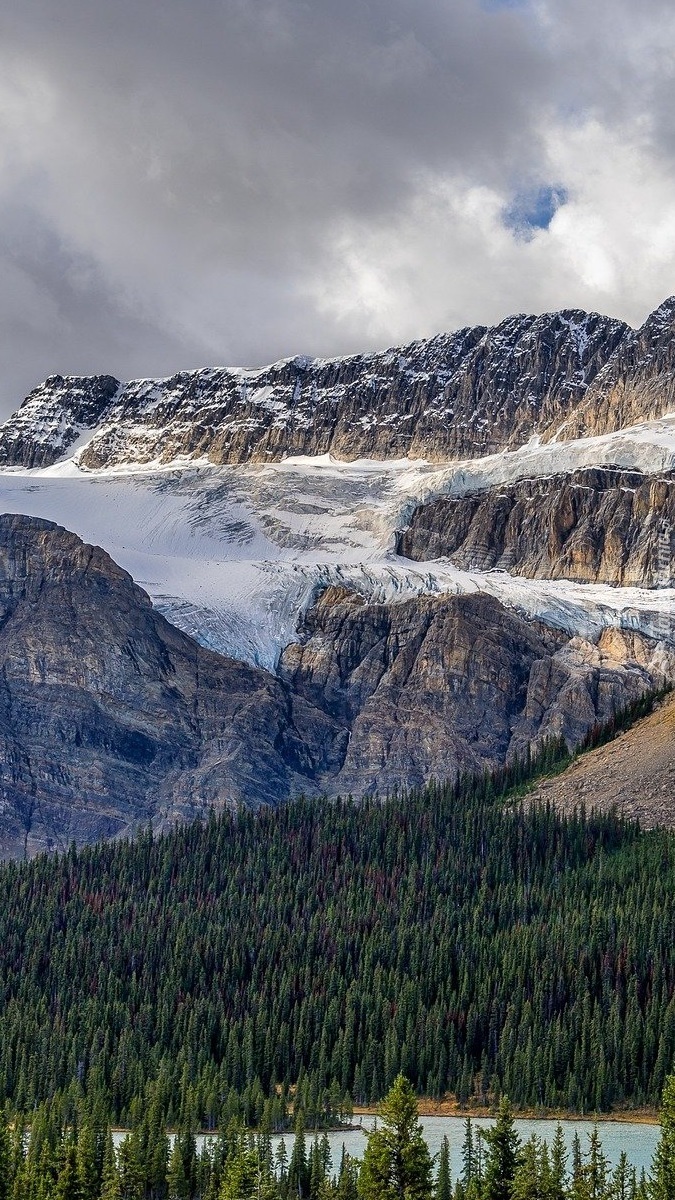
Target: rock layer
x=439 y=684
x=463 y=394
x=637 y=383
x=594 y=526
x=111 y=718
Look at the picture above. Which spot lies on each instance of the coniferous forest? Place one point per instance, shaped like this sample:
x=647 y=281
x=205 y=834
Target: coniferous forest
x=475 y=944
x=77 y=1160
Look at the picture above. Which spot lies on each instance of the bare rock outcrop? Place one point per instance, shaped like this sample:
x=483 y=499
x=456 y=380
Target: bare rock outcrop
x=110 y=718
x=599 y=525
x=437 y=685
x=637 y=383
x=467 y=393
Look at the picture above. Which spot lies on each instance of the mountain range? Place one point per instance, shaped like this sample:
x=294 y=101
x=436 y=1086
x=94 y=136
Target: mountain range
x=329 y=577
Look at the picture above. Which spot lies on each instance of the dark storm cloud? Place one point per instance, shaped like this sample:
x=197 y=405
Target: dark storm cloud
x=233 y=181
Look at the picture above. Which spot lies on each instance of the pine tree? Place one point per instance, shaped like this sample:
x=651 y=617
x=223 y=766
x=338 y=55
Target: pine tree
x=559 y=1158
x=443 y=1181
x=177 y=1182
x=468 y=1155
x=503 y=1155
x=397 y=1163
x=110 y=1180
x=298 y=1171
x=662 y=1185
x=527 y=1179
x=6 y=1158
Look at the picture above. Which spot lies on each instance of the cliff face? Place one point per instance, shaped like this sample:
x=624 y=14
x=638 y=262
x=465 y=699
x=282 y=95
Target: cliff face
x=440 y=684
x=111 y=718
x=462 y=394
x=50 y=421
x=593 y=526
x=637 y=383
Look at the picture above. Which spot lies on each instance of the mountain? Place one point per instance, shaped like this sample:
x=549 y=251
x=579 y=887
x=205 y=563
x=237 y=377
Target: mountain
x=264 y=618
x=111 y=718
x=468 y=393
x=598 y=525
x=634 y=774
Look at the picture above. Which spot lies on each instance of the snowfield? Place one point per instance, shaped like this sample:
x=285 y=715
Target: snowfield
x=234 y=555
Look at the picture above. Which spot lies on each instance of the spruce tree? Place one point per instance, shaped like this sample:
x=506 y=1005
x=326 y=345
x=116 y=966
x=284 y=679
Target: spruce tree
x=397 y=1163
x=662 y=1184
x=503 y=1155
x=443 y=1181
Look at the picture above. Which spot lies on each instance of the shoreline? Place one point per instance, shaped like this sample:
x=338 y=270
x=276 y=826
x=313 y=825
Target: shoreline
x=450 y=1108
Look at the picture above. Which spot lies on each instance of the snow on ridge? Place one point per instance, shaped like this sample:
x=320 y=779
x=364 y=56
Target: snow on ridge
x=234 y=555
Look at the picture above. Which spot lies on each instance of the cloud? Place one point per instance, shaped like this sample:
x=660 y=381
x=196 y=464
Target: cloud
x=221 y=181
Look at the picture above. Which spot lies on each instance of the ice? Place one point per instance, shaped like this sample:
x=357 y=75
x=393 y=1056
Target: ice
x=234 y=555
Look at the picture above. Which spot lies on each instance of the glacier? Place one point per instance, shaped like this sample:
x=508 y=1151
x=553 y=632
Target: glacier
x=234 y=555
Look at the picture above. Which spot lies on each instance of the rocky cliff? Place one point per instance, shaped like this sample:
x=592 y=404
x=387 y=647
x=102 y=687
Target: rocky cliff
x=636 y=383
x=463 y=394
x=595 y=526
x=439 y=684
x=110 y=717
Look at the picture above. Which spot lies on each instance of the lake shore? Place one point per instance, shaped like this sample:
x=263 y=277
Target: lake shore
x=450 y=1108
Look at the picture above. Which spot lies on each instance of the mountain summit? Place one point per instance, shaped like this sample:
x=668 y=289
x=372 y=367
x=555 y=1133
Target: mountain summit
x=466 y=394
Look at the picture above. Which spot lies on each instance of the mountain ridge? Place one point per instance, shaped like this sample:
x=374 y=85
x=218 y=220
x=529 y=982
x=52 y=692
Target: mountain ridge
x=468 y=393
x=111 y=718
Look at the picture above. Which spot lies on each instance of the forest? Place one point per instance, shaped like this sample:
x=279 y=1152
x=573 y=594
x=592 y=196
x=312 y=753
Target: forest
x=55 y=1160
x=299 y=959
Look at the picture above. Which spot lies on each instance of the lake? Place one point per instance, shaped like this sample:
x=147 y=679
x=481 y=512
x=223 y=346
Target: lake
x=639 y=1141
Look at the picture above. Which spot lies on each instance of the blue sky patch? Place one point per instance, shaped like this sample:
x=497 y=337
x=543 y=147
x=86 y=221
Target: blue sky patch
x=533 y=209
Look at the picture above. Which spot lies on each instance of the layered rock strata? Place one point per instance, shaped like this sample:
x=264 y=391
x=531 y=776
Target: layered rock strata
x=111 y=718
x=435 y=685
x=468 y=393
x=599 y=525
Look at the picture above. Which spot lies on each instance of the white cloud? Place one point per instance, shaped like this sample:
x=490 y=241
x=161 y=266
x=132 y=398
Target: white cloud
x=230 y=182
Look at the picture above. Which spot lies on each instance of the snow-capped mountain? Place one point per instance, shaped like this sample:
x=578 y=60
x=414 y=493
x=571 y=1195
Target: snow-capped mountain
x=463 y=394
x=328 y=524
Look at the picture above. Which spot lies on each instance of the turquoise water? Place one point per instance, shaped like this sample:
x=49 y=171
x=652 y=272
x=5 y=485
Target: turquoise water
x=638 y=1141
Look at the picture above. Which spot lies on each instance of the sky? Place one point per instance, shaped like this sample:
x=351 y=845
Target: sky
x=210 y=182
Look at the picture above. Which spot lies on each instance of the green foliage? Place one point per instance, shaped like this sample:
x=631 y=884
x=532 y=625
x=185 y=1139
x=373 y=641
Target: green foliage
x=238 y=1165
x=443 y=1189
x=663 y=1169
x=396 y=1164
x=315 y=952
x=503 y=1155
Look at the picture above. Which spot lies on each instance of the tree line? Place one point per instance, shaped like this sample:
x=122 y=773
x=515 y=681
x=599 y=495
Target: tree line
x=304 y=957
x=78 y=1161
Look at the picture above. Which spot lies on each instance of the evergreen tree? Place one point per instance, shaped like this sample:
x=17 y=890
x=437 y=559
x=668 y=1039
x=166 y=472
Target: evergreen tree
x=298 y=1168
x=443 y=1181
x=527 y=1183
x=68 y=1183
x=110 y=1180
x=662 y=1185
x=178 y=1184
x=347 y=1184
x=503 y=1154
x=6 y=1158
x=468 y=1156
x=397 y=1164
x=559 y=1158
